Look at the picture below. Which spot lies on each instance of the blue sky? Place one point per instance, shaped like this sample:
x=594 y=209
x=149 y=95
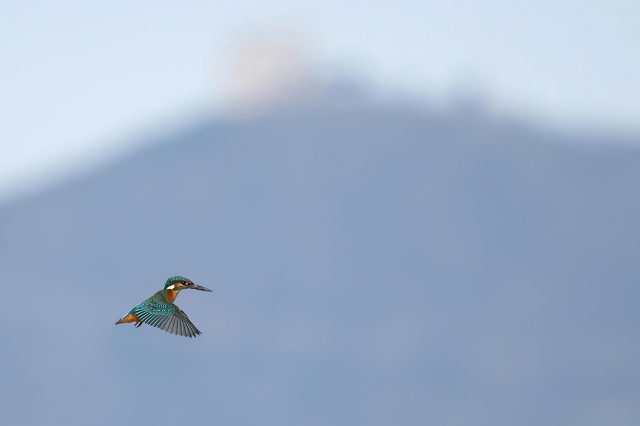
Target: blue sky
x=81 y=78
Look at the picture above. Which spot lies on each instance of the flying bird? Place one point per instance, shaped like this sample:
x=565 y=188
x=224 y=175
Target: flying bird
x=159 y=310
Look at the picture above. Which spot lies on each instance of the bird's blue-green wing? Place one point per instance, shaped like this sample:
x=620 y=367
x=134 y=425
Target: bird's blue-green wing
x=166 y=316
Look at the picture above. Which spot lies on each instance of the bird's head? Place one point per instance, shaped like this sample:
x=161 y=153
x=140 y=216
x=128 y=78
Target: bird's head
x=182 y=283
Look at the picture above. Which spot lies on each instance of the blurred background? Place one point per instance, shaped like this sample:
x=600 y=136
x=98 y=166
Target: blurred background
x=410 y=213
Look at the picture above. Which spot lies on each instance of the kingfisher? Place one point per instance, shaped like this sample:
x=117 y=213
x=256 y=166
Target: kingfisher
x=160 y=311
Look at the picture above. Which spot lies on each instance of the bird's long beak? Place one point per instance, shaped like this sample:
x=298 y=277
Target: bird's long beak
x=197 y=287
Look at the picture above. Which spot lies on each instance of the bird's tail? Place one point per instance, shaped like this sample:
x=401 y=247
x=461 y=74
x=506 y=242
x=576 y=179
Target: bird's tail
x=128 y=318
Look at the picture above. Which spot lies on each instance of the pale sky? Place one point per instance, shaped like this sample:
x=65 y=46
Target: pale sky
x=81 y=78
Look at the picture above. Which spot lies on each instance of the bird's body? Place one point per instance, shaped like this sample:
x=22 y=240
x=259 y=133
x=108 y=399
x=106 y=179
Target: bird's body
x=160 y=311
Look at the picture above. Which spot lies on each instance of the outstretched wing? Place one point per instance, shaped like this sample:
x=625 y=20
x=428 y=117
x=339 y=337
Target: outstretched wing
x=166 y=316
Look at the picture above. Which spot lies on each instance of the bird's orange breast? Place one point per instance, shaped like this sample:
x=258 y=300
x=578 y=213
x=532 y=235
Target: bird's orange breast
x=171 y=296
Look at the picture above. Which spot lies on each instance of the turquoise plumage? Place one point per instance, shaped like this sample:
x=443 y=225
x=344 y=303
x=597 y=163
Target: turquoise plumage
x=160 y=311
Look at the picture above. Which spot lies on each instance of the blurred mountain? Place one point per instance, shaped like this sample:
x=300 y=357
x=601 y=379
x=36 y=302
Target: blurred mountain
x=376 y=264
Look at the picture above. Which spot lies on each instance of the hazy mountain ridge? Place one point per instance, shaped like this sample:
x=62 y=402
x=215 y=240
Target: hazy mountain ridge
x=378 y=265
